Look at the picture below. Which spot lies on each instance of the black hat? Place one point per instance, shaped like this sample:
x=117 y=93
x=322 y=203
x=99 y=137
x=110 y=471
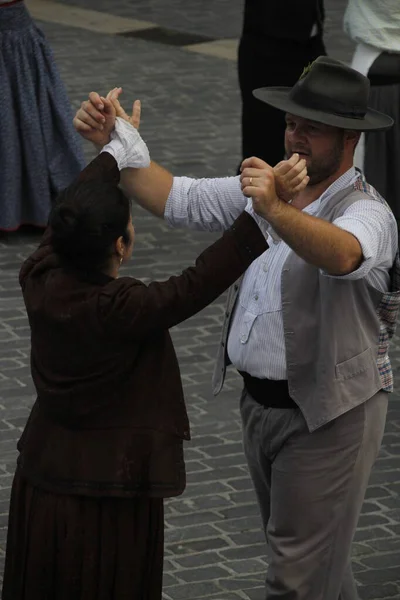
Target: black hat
x=328 y=92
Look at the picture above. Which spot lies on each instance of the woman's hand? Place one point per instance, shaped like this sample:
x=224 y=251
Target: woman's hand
x=290 y=177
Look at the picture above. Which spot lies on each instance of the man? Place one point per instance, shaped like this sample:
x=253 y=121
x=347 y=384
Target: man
x=308 y=326
x=278 y=39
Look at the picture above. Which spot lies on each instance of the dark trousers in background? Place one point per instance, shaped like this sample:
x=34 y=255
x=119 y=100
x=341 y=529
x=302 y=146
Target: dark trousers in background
x=265 y=62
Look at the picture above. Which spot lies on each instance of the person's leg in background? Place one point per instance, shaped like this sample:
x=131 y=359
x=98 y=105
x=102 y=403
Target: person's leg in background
x=382 y=148
x=261 y=63
x=279 y=39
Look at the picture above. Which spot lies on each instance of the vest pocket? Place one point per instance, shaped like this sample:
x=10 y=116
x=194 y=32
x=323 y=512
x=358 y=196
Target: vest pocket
x=355 y=365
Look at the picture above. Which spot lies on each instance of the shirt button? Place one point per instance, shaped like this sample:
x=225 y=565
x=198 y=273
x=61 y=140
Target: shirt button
x=243 y=339
x=256 y=297
x=265 y=267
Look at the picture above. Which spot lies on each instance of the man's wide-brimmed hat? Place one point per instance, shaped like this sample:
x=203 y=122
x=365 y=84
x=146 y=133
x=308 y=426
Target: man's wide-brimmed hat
x=328 y=92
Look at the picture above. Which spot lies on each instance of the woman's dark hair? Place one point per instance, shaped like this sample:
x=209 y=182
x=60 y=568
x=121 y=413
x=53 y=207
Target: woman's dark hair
x=88 y=217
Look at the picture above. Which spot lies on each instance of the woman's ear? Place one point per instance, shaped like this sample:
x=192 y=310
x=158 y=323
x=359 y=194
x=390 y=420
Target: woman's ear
x=120 y=247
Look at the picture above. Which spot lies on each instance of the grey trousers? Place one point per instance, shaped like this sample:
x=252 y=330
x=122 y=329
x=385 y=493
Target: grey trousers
x=310 y=488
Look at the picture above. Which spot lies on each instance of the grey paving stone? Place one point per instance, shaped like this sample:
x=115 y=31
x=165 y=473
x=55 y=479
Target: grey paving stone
x=192 y=547
x=246 y=523
x=198 y=560
x=193 y=590
x=207 y=573
x=257 y=593
x=372 y=533
x=248 y=582
x=388 y=574
x=378 y=592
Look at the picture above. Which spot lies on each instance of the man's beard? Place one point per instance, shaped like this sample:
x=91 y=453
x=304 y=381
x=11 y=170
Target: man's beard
x=321 y=168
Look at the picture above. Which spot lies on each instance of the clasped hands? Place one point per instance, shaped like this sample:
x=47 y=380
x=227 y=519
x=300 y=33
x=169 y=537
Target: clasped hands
x=267 y=186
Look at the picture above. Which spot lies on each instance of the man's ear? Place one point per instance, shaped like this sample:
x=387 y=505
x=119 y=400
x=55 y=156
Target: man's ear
x=353 y=137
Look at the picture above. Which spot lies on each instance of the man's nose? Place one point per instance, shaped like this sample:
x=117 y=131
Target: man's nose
x=297 y=134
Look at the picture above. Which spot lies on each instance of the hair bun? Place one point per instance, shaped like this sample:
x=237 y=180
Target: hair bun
x=86 y=219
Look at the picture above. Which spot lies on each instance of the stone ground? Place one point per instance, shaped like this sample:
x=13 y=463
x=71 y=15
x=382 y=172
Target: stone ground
x=214 y=544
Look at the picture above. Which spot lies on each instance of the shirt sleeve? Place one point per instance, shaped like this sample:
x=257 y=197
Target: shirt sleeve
x=127 y=146
x=204 y=204
x=374 y=226
x=269 y=233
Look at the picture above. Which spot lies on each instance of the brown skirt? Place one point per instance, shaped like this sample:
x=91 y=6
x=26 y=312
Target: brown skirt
x=63 y=547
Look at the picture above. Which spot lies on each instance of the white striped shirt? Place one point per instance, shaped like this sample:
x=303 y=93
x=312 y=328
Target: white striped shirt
x=256 y=339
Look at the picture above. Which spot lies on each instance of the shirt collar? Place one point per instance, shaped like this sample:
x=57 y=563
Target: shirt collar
x=344 y=181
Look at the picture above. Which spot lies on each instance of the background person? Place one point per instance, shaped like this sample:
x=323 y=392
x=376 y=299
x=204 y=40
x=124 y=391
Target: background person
x=279 y=38
x=40 y=153
x=375 y=27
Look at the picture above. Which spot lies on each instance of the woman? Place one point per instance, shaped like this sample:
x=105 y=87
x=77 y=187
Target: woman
x=103 y=443
x=40 y=153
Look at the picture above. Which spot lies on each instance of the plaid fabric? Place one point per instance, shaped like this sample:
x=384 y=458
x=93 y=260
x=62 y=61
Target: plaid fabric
x=388 y=308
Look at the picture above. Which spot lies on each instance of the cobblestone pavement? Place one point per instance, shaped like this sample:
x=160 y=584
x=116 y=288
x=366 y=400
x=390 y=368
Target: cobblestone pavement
x=214 y=544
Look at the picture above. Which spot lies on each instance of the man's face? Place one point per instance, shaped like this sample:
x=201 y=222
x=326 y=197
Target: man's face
x=321 y=146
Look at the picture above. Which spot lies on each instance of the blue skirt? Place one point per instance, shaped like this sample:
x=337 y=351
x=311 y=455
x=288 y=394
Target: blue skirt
x=40 y=153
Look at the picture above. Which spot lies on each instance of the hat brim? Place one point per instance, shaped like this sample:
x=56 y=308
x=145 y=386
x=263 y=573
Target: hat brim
x=279 y=97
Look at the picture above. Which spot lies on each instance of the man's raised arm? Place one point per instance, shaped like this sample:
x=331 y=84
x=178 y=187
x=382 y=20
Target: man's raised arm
x=208 y=204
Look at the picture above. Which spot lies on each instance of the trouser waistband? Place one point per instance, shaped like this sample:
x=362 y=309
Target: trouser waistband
x=267 y=392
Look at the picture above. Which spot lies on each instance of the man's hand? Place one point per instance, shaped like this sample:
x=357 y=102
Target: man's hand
x=258 y=183
x=290 y=175
x=95 y=120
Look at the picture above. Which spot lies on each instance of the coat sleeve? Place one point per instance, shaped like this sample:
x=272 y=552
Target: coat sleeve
x=128 y=308
x=102 y=168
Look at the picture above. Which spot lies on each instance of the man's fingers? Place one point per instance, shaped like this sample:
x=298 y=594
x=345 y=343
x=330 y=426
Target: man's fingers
x=136 y=112
x=83 y=116
x=109 y=108
x=80 y=126
x=96 y=100
x=249 y=172
x=250 y=191
x=88 y=108
x=255 y=162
